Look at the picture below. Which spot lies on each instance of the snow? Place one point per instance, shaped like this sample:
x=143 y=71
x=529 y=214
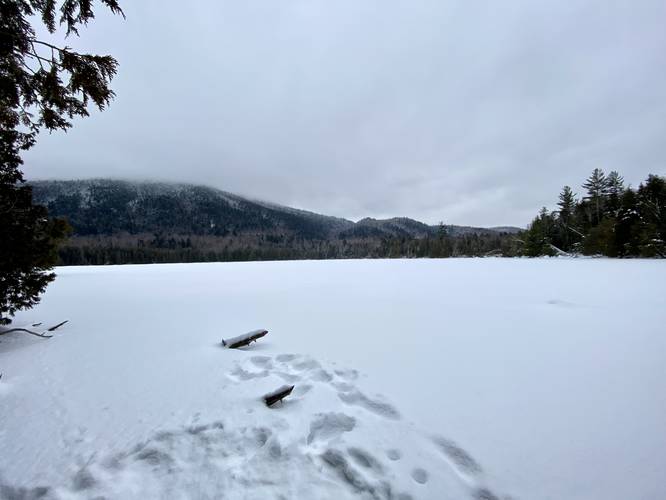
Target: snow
x=455 y=378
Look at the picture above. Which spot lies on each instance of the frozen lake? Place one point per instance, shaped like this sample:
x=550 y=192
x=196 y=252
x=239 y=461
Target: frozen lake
x=455 y=378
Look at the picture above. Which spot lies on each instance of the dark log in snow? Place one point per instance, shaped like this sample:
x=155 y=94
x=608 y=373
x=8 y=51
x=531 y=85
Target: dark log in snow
x=56 y=326
x=43 y=334
x=278 y=395
x=243 y=340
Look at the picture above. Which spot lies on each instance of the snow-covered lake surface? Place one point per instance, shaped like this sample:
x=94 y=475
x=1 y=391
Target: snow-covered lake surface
x=448 y=379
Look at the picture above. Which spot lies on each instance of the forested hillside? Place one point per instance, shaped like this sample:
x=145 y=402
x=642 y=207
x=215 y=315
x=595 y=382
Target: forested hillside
x=609 y=219
x=128 y=222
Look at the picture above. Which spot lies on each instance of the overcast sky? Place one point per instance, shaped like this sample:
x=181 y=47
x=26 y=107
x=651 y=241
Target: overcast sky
x=468 y=112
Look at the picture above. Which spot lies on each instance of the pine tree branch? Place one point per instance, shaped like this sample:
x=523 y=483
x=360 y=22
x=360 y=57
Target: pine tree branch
x=52 y=47
x=34 y=53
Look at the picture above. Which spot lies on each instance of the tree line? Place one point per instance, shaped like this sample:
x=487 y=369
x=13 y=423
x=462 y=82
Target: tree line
x=161 y=248
x=609 y=219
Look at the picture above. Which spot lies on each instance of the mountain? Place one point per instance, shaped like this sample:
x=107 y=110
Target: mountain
x=118 y=222
x=105 y=207
x=400 y=227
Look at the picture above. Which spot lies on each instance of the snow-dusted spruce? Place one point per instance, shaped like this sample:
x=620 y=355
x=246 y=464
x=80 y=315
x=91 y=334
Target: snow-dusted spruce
x=243 y=340
x=44 y=333
x=278 y=394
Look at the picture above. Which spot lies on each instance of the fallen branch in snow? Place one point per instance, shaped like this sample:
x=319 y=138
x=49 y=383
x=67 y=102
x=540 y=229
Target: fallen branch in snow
x=43 y=334
x=243 y=340
x=56 y=326
x=278 y=395
x=573 y=230
x=558 y=251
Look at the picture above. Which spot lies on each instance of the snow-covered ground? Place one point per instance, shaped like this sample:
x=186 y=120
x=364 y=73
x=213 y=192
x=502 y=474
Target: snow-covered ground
x=446 y=379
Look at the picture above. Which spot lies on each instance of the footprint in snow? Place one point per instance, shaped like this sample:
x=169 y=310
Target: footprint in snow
x=262 y=361
x=466 y=467
x=459 y=457
x=283 y=358
x=371 y=482
x=298 y=369
x=288 y=377
x=328 y=426
x=484 y=494
x=376 y=406
x=365 y=459
x=343 y=386
x=291 y=368
x=239 y=374
x=347 y=375
x=420 y=475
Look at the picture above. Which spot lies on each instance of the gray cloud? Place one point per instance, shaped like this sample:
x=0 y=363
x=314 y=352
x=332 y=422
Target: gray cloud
x=466 y=112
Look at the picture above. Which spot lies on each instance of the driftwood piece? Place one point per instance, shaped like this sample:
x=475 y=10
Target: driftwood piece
x=56 y=326
x=43 y=334
x=243 y=340
x=278 y=395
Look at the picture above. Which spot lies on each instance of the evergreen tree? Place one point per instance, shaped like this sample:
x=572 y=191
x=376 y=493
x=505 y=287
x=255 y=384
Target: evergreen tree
x=567 y=204
x=628 y=224
x=42 y=86
x=652 y=209
x=600 y=239
x=566 y=234
x=538 y=237
x=615 y=189
x=24 y=274
x=597 y=188
x=615 y=183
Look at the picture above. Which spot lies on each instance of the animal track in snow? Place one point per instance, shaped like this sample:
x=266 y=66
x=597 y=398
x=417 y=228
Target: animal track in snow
x=394 y=454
